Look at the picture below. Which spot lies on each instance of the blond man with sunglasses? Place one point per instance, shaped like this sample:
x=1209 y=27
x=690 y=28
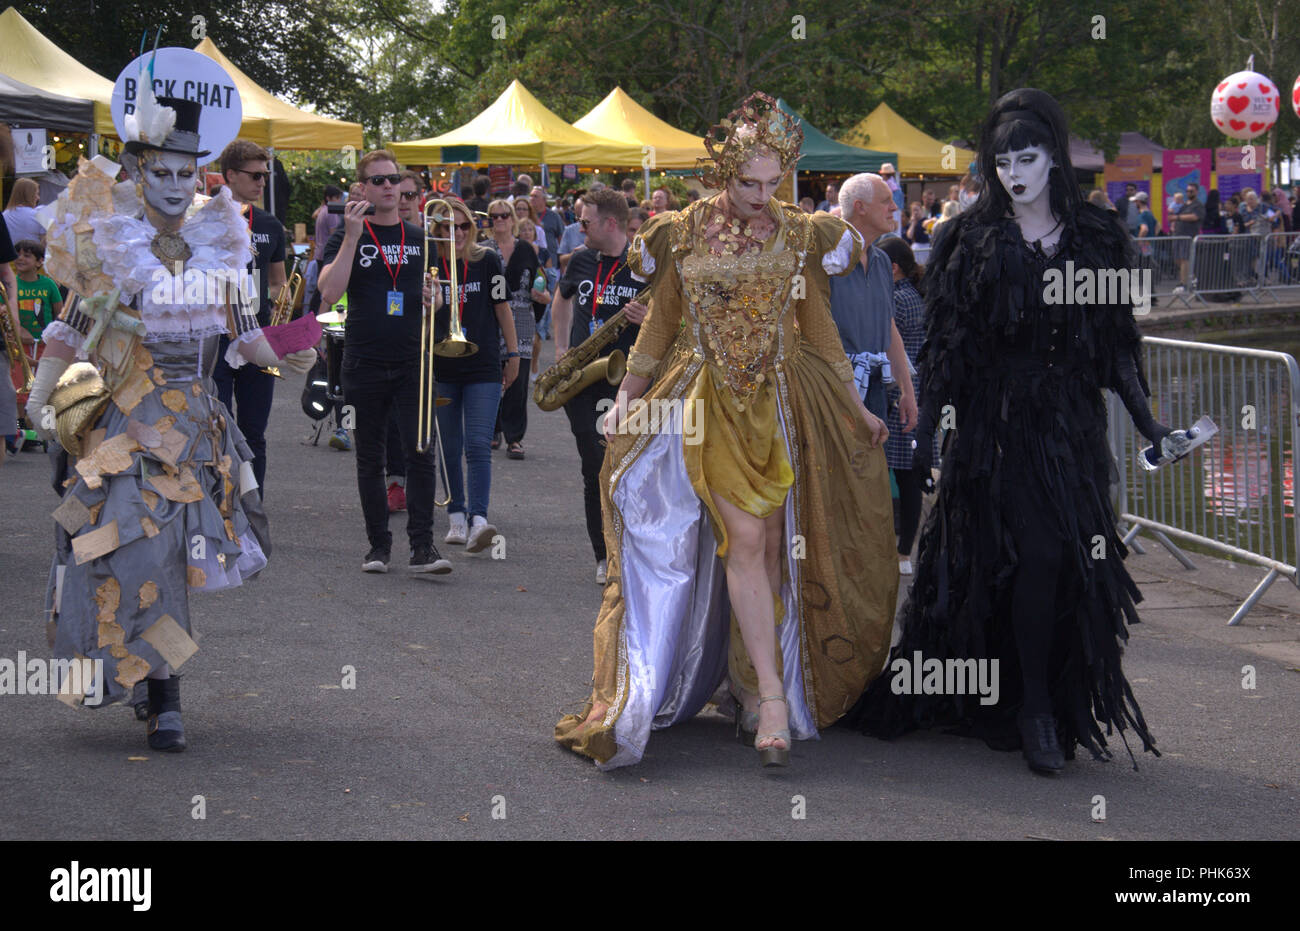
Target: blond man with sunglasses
x=378 y=259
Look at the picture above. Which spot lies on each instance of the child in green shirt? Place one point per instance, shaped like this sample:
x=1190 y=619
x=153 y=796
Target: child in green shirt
x=39 y=300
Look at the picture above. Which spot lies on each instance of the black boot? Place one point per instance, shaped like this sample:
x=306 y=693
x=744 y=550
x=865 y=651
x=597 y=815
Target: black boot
x=140 y=700
x=166 y=733
x=1039 y=743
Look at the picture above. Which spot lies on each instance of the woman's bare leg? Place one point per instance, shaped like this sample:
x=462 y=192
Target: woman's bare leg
x=750 y=590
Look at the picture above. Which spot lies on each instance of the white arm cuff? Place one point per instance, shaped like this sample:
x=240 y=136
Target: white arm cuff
x=234 y=358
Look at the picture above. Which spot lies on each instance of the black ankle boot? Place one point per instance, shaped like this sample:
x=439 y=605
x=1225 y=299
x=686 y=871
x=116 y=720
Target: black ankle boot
x=166 y=733
x=1039 y=744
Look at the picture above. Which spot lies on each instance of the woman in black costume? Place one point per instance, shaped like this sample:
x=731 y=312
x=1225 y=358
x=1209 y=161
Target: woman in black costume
x=1020 y=560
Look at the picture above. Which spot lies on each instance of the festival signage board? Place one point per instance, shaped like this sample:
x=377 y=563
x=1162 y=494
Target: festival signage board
x=1126 y=170
x=184 y=73
x=29 y=150
x=1180 y=168
x=1233 y=178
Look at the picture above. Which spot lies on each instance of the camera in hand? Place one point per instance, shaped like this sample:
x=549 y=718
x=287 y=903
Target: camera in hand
x=338 y=208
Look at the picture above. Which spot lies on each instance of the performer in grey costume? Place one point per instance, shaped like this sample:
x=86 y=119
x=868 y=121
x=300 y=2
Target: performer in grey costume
x=163 y=500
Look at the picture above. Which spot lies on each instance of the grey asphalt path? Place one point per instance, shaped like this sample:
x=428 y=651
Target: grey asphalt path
x=460 y=679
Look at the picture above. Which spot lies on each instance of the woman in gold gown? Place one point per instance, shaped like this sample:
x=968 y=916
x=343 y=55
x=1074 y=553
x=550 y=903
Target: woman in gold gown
x=750 y=480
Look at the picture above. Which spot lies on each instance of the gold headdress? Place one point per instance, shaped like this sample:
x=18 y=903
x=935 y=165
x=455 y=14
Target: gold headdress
x=757 y=124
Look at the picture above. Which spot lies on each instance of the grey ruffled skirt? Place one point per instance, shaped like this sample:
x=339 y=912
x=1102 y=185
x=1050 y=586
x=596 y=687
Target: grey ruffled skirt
x=161 y=505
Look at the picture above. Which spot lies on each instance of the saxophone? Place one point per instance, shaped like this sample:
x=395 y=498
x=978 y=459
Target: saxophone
x=579 y=368
x=18 y=360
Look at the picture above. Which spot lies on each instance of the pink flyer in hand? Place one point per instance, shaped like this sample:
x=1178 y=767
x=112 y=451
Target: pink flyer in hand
x=303 y=333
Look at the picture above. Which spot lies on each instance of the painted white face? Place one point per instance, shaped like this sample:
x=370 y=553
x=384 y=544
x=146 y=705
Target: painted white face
x=1024 y=173
x=170 y=181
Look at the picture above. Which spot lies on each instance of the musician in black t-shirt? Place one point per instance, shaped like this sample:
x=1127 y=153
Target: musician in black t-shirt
x=248 y=391
x=596 y=285
x=379 y=261
x=473 y=383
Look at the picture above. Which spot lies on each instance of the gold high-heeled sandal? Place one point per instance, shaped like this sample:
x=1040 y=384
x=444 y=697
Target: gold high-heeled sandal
x=774 y=756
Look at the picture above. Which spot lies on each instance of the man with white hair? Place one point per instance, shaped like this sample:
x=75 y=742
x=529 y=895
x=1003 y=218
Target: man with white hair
x=862 y=301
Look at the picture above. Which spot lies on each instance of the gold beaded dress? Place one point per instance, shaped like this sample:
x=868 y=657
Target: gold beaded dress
x=749 y=402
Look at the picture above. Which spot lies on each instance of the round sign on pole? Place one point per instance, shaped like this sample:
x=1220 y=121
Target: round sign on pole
x=184 y=73
x=1244 y=104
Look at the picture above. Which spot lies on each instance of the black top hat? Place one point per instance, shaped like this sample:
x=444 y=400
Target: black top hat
x=184 y=137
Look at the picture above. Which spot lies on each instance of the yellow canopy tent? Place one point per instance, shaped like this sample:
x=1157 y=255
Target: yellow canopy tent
x=517 y=129
x=622 y=119
x=270 y=121
x=918 y=153
x=28 y=56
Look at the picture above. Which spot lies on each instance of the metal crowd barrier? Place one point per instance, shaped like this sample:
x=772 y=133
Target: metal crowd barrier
x=1166 y=257
x=1235 y=494
x=1223 y=264
x=1280 y=263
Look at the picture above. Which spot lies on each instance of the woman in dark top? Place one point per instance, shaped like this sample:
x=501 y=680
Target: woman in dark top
x=527 y=232
x=909 y=316
x=522 y=269
x=472 y=383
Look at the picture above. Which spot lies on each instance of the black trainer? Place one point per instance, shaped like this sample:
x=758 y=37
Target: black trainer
x=425 y=558
x=376 y=560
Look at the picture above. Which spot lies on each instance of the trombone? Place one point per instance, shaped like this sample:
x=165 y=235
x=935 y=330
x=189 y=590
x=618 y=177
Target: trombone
x=454 y=345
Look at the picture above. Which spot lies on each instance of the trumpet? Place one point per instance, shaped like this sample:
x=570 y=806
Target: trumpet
x=14 y=347
x=290 y=297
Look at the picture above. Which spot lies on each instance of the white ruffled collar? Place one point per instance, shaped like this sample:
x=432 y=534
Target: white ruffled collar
x=177 y=308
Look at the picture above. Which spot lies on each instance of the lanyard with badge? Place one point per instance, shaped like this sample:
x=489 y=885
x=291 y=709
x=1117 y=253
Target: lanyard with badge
x=395 y=297
x=597 y=297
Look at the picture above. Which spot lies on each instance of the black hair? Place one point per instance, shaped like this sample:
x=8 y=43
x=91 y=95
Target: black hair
x=1020 y=119
x=31 y=246
x=900 y=253
x=333 y=190
x=481 y=185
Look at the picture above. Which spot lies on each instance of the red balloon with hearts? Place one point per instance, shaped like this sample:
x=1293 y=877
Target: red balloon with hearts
x=1295 y=96
x=1246 y=104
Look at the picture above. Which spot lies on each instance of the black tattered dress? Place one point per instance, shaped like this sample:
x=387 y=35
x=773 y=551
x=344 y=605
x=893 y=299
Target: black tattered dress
x=1024 y=487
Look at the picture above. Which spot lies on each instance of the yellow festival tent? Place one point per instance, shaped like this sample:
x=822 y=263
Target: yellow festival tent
x=27 y=56
x=918 y=153
x=269 y=121
x=517 y=130
x=622 y=119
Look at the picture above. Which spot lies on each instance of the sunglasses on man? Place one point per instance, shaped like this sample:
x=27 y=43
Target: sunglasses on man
x=255 y=175
x=378 y=180
x=409 y=195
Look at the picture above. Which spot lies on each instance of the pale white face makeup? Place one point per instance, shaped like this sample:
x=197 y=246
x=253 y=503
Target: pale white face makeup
x=1024 y=173
x=169 y=181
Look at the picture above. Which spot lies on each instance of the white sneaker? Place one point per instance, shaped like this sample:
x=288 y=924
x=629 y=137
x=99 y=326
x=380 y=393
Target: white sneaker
x=600 y=572
x=480 y=534
x=905 y=567
x=459 y=529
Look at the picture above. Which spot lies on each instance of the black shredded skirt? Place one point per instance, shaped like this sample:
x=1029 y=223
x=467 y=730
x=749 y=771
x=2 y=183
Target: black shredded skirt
x=1027 y=469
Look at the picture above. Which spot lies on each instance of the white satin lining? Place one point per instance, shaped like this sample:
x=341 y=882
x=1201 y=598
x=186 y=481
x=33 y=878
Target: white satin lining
x=836 y=261
x=676 y=623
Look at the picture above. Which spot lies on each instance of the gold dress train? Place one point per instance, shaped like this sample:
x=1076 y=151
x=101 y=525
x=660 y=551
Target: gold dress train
x=745 y=350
